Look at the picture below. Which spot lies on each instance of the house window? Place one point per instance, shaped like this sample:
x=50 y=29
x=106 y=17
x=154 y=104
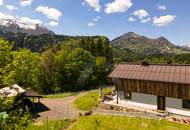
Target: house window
x=186 y=104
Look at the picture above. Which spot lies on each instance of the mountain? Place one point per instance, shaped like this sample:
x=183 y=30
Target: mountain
x=144 y=45
x=38 y=43
x=21 y=26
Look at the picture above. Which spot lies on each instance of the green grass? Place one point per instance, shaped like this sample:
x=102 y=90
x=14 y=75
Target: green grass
x=100 y=122
x=52 y=125
x=61 y=95
x=90 y=100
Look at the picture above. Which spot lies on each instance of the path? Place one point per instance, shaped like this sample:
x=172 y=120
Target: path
x=57 y=109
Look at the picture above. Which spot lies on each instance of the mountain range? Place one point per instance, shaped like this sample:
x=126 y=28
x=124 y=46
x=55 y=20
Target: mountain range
x=22 y=26
x=146 y=46
x=36 y=38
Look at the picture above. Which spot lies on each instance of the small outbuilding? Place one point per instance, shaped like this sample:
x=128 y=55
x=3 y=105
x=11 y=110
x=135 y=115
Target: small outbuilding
x=157 y=87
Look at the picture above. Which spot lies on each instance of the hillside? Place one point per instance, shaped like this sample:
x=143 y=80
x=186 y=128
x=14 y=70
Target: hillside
x=146 y=46
x=41 y=42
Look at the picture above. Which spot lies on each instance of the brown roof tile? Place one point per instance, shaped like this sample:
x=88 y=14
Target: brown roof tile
x=155 y=72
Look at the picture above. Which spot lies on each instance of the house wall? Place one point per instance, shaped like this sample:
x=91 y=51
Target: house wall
x=173 y=103
x=145 y=101
x=144 y=98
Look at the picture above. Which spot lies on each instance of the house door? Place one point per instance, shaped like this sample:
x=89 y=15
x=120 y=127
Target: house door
x=161 y=101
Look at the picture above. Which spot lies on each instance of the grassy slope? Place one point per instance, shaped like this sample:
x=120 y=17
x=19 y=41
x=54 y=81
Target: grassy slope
x=56 y=125
x=90 y=100
x=98 y=122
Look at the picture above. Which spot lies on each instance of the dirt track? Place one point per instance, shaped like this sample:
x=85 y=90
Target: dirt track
x=57 y=109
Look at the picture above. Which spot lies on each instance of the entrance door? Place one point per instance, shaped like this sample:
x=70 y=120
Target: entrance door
x=161 y=101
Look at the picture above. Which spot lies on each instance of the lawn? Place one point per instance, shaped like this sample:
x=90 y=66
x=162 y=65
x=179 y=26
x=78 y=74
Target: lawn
x=52 y=125
x=90 y=100
x=61 y=95
x=100 y=122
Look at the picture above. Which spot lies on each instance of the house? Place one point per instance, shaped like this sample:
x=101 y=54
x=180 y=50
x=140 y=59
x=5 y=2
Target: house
x=156 y=87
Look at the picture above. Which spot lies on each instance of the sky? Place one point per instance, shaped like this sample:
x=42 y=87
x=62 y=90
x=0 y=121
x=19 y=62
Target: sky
x=112 y=18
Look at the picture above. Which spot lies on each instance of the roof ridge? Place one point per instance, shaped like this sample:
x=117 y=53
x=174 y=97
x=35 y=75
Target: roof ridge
x=160 y=64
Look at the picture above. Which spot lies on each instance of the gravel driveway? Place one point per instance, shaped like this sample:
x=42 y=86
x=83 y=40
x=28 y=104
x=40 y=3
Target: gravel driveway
x=57 y=109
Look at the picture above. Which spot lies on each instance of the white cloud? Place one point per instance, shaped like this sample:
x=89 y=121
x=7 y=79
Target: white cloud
x=31 y=21
x=5 y=16
x=24 y=3
x=163 y=20
x=50 y=13
x=11 y=7
x=141 y=13
x=97 y=19
x=131 y=19
x=162 y=7
x=53 y=23
x=146 y=20
x=28 y=23
x=83 y=3
x=118 y=6
x=1 y=2
x=94 y=4
x=91 y=24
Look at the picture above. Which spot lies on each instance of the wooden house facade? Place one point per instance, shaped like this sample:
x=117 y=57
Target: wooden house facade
x=163 y=87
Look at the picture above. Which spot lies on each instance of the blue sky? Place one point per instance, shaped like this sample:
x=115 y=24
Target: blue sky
x=152 y=18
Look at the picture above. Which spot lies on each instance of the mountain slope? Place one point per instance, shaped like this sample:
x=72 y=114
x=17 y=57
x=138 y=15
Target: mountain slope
x=146 y=46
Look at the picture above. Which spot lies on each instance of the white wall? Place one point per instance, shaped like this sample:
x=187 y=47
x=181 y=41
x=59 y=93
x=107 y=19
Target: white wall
x=173 y=103
x=144 y=98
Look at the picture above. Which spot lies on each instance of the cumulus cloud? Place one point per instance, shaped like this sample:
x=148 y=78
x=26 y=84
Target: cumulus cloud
x=53 y=23
x=141 y=13
x=163 y=20
x=118 y=6
x=131 y=19
x=24 y=3
x=5 y=16
x=91 y=24
x=94 y=4
x=11 y=7
x=50 y=13
x=31 y=21
x=162 y=7
x=146 y=20
x=97 y=19
x=1 y=2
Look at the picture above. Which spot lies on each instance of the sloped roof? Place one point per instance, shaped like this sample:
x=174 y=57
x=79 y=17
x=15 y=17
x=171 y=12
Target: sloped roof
x=11 y=91
x=154 y=72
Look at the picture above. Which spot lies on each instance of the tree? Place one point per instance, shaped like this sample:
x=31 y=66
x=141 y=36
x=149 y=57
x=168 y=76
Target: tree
x=5 y=52
x=73 y=67
x=102 y=70
x=5 y=56
x=47 y=71
x=23 y=70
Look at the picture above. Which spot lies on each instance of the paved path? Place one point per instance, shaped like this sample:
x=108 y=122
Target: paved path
x=57 y=109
